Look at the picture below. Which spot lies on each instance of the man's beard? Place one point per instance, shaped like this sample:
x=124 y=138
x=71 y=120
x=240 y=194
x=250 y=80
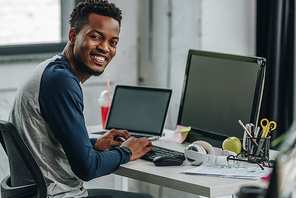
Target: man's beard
x=89 y=71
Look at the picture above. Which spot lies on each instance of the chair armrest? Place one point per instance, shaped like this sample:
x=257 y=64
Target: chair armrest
x=7 y=190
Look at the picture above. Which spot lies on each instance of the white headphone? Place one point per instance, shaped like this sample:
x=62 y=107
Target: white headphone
x=200 y=152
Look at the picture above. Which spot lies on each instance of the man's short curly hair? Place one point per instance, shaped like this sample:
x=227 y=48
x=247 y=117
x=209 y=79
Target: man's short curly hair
x=79 y=15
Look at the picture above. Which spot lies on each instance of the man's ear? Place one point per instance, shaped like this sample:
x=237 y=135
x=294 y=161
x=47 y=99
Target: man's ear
x=72 y=35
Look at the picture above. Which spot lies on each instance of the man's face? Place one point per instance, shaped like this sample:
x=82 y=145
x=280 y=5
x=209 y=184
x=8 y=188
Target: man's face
x=95 y=45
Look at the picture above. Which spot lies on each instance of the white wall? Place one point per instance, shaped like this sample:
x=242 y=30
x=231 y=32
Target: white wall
x=226 y=26
x=229 y=26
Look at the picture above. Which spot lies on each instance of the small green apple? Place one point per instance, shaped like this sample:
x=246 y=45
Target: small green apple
x=232 y=144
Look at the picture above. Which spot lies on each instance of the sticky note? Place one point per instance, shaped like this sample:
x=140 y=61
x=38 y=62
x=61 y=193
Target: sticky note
x=180 y=134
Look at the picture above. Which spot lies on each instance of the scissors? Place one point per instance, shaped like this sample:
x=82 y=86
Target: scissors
x=267 y=126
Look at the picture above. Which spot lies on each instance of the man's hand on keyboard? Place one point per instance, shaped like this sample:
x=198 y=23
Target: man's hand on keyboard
x=138 y=147
x=111 y=139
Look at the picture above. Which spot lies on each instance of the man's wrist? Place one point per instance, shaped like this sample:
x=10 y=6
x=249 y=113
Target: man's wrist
x=126 y=150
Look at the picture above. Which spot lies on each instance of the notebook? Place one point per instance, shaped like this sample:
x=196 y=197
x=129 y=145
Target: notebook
x=140 y=110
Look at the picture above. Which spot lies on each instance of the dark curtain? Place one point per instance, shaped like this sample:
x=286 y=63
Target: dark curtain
x=275 y=42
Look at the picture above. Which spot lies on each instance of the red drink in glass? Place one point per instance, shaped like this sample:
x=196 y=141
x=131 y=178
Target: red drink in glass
x=104 y=114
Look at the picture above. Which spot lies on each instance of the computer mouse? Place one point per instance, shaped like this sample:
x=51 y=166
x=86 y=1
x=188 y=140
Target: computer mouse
x=167 y=161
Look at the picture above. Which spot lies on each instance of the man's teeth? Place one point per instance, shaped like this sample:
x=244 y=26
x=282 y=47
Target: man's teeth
x=100 y=58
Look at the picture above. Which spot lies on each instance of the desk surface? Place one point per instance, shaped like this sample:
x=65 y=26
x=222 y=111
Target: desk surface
x=171 y=177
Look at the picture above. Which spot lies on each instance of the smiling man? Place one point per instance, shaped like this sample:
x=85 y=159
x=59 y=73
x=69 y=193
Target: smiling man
x=48 y=109
x=90 y=51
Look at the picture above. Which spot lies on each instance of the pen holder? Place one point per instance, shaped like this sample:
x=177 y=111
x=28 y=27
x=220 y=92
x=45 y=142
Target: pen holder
x=259 y=151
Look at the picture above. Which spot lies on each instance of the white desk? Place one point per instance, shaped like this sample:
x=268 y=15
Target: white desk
x=169 y=176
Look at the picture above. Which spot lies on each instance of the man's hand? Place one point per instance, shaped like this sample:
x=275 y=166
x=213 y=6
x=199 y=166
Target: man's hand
x=111 y=139
x=138 y=147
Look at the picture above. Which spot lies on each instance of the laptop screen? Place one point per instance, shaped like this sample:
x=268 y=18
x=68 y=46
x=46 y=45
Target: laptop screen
x=139 y=109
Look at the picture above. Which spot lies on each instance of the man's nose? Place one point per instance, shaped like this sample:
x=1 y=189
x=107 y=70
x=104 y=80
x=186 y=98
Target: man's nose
x=103 y=46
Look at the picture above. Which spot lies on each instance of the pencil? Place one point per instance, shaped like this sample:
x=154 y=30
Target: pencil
x=248 y=133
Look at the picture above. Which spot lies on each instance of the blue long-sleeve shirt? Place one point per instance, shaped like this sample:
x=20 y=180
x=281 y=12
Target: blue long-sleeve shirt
x=48 y=111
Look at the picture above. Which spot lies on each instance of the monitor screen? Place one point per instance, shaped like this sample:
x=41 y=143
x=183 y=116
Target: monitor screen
x=220 y=89
x=139 y=109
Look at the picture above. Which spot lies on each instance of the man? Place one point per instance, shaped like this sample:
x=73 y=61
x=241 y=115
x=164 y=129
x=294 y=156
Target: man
x=48 y=110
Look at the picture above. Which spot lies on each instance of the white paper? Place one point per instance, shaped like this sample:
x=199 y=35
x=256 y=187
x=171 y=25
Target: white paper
x=242 y=172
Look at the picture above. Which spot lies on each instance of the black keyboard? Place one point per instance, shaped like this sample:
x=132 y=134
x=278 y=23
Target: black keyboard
x=161 y=151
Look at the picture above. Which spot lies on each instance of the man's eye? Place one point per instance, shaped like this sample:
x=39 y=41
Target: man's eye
x=114 y=42
x=95 y=37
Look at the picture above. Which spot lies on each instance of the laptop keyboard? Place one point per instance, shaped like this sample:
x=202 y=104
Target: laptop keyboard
x=161 y=151
x=139 y=136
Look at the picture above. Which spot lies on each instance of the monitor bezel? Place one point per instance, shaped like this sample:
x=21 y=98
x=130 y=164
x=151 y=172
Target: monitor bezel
x=196 y=133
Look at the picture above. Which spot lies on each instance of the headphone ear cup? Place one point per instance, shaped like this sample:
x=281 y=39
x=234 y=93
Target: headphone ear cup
x=195 y=154
x=207 y=147
x=196 y=148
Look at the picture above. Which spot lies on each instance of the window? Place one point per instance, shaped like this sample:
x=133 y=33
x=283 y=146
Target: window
x=30 y=22
x=33 y=27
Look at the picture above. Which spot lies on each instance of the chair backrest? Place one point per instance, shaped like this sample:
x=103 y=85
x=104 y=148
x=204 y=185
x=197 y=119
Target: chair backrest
x=24 y=169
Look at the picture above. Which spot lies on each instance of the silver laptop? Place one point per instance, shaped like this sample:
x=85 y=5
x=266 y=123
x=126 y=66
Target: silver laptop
x=140 y=110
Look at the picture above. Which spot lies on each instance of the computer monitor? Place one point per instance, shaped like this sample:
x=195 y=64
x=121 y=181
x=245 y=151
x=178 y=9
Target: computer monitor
x=220 y=89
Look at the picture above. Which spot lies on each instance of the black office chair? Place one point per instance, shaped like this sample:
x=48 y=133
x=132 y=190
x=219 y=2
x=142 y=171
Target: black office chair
x=22 y=165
